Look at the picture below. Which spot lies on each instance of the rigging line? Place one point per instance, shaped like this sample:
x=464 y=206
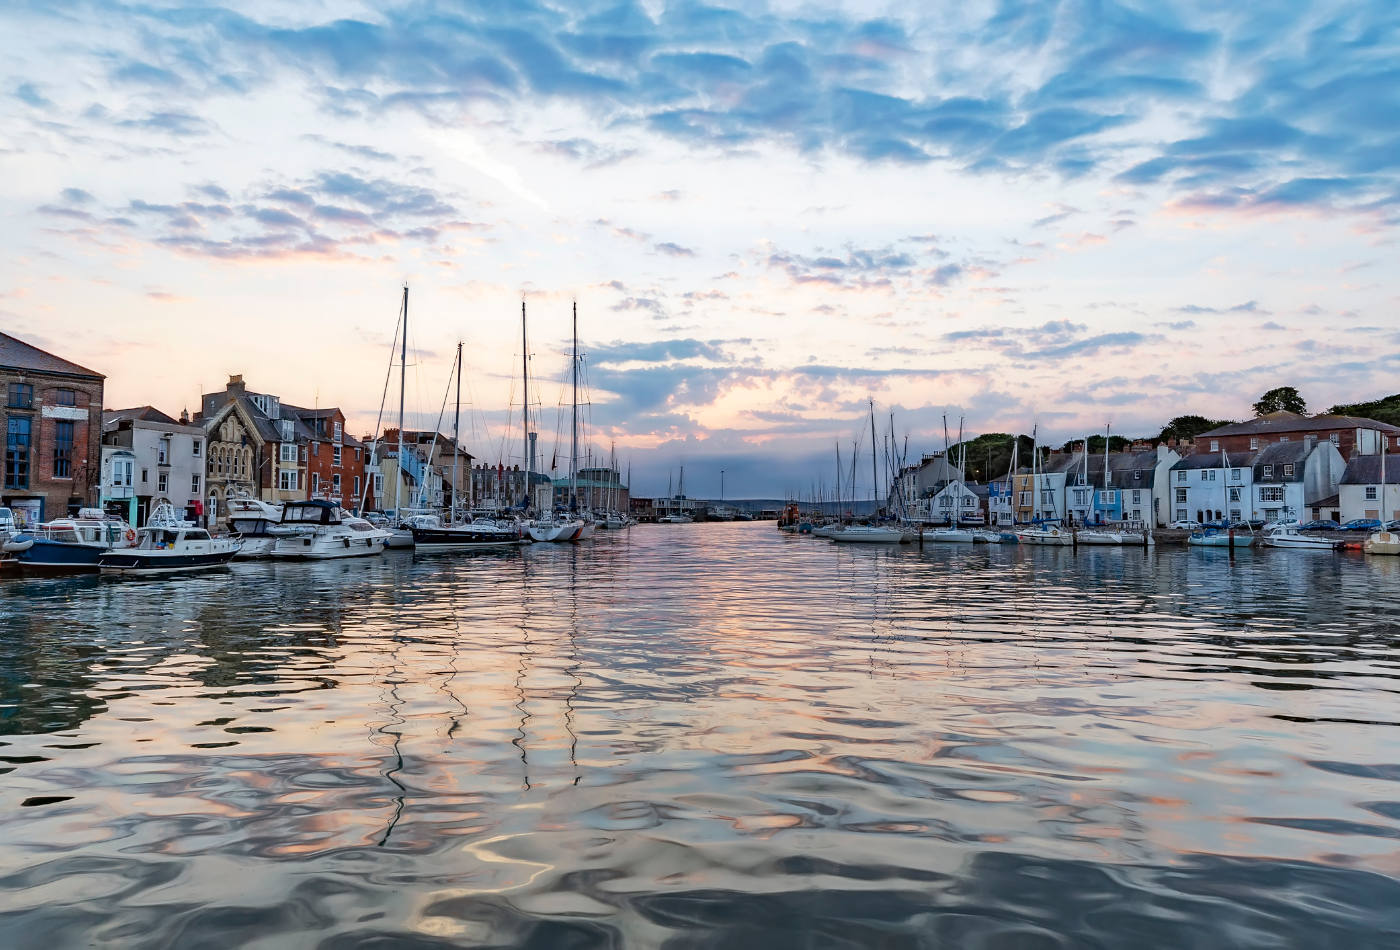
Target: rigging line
x=383 y=399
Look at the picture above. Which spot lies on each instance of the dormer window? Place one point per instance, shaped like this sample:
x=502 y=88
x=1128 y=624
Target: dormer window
x=1288 y=470
x=1268 y=471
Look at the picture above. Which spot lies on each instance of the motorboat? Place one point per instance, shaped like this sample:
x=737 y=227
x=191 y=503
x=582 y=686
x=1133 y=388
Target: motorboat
x=825 y=530
x=686 y=519
x=951 y=535
x=164 y=547
x=1382 y=542
x=257 y=523
x=990 y=537
x=872 y=534
x=69 y=545
x=483 y=533
x=1046 y=534
x=1285 y=534
x=317 y=530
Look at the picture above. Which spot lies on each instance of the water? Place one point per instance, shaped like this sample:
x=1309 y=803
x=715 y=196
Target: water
x=708 y=735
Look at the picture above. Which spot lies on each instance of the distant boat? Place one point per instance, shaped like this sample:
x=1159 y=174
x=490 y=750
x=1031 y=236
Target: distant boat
x=1052 y=535
x=1215 y=538
x=951 y=536
x=871 y=534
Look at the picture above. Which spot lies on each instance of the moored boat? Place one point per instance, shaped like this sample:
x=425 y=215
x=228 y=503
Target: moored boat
x=467 y=536
x=1285 y=534
x=1383 y=542
x=1052 y=535
x=319 y=530
x=871 y=534
x=256 y=522
x=951 y=535
x=69 y=545
x=163 y=548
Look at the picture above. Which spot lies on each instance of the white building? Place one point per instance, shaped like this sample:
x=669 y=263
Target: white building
x=1361 y=489
x=954 y=502
x=1290 y=477
x=1212 y=486
x=156 y=459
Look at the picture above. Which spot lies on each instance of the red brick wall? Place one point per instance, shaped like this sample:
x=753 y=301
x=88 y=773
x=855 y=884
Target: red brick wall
x=87 y=441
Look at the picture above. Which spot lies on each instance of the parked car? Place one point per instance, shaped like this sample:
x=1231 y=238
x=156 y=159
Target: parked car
x=1185 y=525
x=1362 y=524
x=1394 y=525
x=1326 y=524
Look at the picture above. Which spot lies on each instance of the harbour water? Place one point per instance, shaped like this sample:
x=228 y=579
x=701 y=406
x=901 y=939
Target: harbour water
x=708 y=735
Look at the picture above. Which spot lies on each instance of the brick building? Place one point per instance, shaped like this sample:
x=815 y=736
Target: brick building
x=1351 y=435
x=335 y=461
x=53 y=433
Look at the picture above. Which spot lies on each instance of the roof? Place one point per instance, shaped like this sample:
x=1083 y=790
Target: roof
x=1366 y=470
x=1217 y=460
x=17 y=354
x=1280 y=454
x=1279 y=422
x=138 y=414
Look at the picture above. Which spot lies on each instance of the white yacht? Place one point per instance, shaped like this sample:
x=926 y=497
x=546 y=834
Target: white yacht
x=1285 y=534
x=872 y=534
x=951 y=535
x=257 y=523
x=555 y=529
x=317 y=530
x=165 y=547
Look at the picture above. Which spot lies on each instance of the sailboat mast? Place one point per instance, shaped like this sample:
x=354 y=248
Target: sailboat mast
x=456 y=433
x=525 y=403
x=403 y=381
x=874 y=468
x=573 y=421
x=1108 y=438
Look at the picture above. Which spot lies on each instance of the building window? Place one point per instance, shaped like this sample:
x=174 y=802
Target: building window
x=1234 y=514
x=1370 y=492
x=164 y=458
x=145 y=475
x=1335 y=438
x=379 y=482
x=1181 y=514
x=1271 y=493
x=1137 y=496
x=17 y=450
x=335 y=483
x=1253 y=445
x=162 y=483
x=194 y=484
x=1235 y=494
x=1283 y=438
x=357 y=489
x=1208 y=475
x=21 y=396
x=63 y=449
x=287 y=479
x=287 y=452
x=1181 y=497
x=195 y=448
x=1288 y=470
x=1181 y=476
x=316 y=449
x=338 y=432
x=1268 y=471
x=66 y=397
x=1215 y=445
x=335 y=454
x=315 y=482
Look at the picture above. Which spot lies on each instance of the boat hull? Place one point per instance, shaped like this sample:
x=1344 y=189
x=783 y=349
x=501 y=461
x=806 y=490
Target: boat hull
x=858 y=535
x=557 y=532
x=154 y=562
x=1382 y=542
x=54 y=557
x=325 y=549
x=464 y=538
x=950 y=536
x=256 y=547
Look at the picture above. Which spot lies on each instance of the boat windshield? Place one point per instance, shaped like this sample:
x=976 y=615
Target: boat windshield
x=307 y=514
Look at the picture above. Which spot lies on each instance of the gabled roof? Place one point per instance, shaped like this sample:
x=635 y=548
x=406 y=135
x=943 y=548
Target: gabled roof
x=19 y=355
x=1282 y=422
x=1366 y=470
x=138 y=414
x=1281 y=454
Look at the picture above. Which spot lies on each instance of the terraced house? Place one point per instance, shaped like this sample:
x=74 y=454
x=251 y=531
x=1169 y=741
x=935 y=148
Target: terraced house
x=53 y=432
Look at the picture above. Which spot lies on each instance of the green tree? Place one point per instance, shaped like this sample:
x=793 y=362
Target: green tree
x=1385 y=409
x=1188 y=427
x=1280 y=399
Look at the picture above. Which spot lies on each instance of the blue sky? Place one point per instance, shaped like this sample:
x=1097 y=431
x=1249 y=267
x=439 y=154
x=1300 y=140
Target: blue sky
x=1064 y=214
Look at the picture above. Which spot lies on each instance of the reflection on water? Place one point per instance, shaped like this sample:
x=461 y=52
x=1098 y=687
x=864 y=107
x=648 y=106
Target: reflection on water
x=708 y=735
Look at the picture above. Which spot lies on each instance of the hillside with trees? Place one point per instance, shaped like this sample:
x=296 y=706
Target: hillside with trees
x=1385 y=409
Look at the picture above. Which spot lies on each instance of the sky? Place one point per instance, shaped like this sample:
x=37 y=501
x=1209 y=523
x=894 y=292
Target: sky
x=1064 y=215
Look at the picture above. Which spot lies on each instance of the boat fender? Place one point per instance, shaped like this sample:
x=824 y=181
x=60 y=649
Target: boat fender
x=130 y=535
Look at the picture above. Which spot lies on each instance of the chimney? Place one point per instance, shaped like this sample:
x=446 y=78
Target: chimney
x=184 y=417
x=235 y=385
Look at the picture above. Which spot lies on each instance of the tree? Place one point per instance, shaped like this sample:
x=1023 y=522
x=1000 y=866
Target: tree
x=1385 y=409
x=1280 y=399
x=1188 y=427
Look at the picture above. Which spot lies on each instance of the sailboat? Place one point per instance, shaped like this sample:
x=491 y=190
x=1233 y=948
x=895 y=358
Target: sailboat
x=678 y=513
x=953 y=533
x=1041 y=532
x=460 y=535
x=549 y=526
x=1101 y=534
x=873 y=533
